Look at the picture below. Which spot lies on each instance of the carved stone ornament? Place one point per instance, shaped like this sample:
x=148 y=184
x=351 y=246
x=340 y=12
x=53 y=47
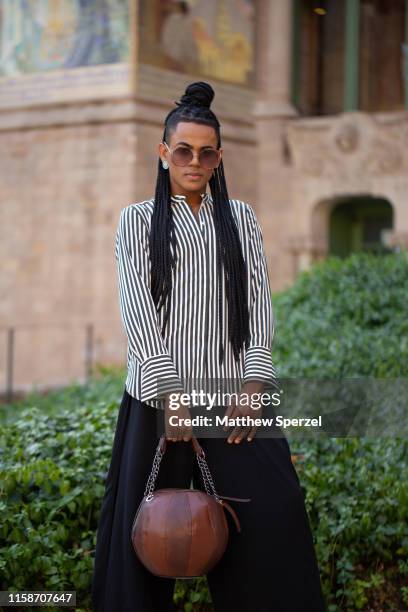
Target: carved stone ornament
x=347 y=138
x=350 y=147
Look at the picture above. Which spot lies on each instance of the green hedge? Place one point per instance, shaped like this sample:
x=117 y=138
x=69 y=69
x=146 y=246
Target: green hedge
x=346 y=318
x=54 y=459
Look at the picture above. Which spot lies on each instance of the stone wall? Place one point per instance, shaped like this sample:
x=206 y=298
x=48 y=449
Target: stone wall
x=67 y=171
x=63 y=182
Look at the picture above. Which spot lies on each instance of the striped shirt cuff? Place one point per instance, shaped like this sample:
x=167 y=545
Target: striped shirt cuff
x=159 y=377
x=258 y=366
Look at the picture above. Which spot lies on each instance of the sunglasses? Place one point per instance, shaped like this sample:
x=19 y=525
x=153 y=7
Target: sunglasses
x=207 y=158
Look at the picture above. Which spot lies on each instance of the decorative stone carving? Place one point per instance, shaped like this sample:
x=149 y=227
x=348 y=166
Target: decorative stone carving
x=349 y=146
x=347 y=138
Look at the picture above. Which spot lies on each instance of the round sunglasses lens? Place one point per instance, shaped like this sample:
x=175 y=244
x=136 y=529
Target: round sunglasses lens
x=182 y=156
x=209 y=159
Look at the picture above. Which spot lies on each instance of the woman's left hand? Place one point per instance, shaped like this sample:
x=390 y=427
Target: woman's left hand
x=239 y=408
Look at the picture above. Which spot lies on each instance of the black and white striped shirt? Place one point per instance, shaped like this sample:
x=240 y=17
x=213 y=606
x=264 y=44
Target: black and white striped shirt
x=190 y=346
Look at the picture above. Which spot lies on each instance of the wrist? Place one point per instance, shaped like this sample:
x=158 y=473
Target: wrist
x=253 y=386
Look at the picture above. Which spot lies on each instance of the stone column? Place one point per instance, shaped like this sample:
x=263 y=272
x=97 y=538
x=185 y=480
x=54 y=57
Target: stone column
x=272 y=111
x=306 y=251
x=275 y=59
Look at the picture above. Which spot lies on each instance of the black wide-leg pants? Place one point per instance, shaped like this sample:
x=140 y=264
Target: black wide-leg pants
x=270 y=566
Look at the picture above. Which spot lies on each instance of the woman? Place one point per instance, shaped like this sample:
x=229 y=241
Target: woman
x=195 y=303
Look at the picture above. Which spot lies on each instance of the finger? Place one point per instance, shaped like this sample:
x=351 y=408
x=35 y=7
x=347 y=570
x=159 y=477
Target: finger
x=172 y=434
x=172 y=429
x=233 y=415
x=252 y=433
x=180 y=433
x=188 y=434
x=234 y=433
x=243 y=433
x=237 y=428
x=228 y=413
x=181 y=428
x=187 y=431
x=169 y=429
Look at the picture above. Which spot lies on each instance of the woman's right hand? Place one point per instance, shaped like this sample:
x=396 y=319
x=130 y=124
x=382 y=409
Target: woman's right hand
x=178 y=431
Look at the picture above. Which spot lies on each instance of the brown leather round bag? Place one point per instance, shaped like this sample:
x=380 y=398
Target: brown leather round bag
x=181 y=533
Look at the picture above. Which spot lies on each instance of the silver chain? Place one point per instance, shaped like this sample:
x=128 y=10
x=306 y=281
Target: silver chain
x=151 y=481
x=207 y=478
x=205 y=472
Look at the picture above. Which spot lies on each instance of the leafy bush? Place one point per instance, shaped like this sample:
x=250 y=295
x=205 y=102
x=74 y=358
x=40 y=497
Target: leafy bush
x=345 y=318
x=53 y=465
x=348 y=318
x=358 y=507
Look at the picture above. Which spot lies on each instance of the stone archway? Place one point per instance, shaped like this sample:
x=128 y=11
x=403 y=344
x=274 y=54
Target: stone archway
x=360 y=224
x=347 y=223
x=347 y=158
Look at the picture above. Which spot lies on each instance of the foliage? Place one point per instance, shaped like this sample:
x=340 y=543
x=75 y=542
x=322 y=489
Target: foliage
x=345 y=318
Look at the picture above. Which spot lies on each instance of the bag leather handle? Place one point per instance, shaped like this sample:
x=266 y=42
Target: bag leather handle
x=200 y=452
x=233 y=514
x=196 y=445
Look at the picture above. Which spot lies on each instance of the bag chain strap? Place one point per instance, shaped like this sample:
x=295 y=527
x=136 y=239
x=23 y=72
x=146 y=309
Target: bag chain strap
x=207 y=478
x=151 y=481
x=205 y=473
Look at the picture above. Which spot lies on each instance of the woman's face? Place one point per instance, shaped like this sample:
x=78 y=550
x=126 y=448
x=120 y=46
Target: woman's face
x=196 y=137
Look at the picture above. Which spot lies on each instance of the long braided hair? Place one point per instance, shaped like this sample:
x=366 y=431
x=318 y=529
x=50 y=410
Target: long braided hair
x=194 y=106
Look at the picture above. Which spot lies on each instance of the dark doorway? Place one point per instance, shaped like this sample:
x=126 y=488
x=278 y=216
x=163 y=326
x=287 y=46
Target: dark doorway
x=360 y=224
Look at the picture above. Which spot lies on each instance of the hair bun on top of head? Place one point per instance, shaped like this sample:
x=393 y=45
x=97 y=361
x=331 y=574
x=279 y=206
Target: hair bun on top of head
x=197 y=94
